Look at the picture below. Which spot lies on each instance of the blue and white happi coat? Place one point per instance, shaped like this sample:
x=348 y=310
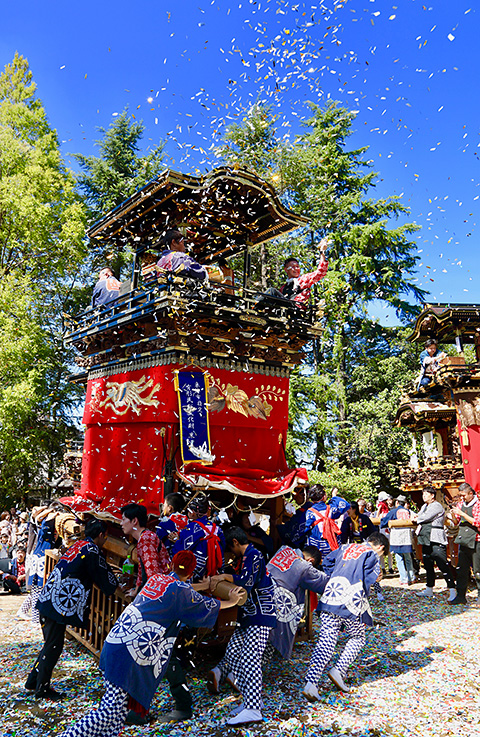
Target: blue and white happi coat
x=352 y=570
x=136 y=652
x=259 y=609
x=292 y=576
x=65 y=597
x=193 y=538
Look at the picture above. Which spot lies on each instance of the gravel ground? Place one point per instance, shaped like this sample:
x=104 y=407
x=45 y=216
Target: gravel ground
x=418 y=675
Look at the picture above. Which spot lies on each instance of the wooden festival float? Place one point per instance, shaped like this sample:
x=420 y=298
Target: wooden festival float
x=187 y=382
x=446 y=413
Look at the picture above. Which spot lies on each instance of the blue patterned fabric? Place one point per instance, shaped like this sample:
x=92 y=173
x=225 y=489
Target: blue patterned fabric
x=45 y=541
x=259 y=609
x=292 y=577
x=192 y=538
x=66 y=595
x=137 y=649
x=352 y=569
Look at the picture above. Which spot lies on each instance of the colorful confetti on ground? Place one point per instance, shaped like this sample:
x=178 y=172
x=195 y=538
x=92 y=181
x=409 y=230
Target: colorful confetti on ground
x=417 y=676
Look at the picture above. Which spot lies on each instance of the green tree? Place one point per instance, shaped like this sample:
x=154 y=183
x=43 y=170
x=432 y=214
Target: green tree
x=42 y=223
x=119 y=171
x=368 y=260
x=41 y=215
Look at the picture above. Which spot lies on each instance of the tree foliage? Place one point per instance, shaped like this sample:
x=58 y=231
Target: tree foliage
x=42 y=222
x=41 y=215
x=109 y=179
x=343 y=400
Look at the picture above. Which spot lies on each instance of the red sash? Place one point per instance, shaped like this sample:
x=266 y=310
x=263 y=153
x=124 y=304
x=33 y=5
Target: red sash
x=330 y=529
x=214 y=551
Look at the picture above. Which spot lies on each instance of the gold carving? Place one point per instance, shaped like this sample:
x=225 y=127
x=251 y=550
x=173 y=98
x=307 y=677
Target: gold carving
x=128 y=395
x=237 y=400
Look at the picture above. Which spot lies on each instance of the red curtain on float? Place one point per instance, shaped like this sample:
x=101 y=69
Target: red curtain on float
x=470 y=447
x=132 y=426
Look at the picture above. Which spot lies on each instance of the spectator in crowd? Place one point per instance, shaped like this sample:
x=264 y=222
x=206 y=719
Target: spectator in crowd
x=468 y=541
x=5 y=547
x=401 y=540
x=356 y=527
x=14 y=582
x=431 y=536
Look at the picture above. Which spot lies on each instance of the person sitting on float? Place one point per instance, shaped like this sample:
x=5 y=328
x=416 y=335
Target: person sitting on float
x=297 y=288
x=175 y=259
x=107 y=288
x=429 y=361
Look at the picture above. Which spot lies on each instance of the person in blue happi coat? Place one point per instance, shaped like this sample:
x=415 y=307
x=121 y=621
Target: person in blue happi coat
x=293 y=573
x=242 y=663
x=352 y=569
x=107 y=288
x=65 y=600
x=173 y=521
x=136 y=654
x=203 y=538
x=320 y=519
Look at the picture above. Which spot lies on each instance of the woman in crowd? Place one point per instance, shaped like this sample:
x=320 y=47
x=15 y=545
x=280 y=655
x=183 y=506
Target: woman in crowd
x=431 y=536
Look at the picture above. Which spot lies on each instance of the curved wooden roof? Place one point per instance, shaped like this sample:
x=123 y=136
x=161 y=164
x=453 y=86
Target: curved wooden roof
x=221 y=212
x=446 y=321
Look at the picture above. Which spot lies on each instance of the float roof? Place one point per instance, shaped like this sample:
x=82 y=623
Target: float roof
x=220 y=213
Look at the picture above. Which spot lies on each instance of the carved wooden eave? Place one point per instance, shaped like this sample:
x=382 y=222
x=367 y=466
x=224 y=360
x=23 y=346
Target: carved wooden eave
x=446 y=321
x=446 y=474
x=222 y=212
x=424 y=414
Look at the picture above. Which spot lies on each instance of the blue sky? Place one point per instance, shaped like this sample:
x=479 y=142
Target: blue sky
x=187 y=69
